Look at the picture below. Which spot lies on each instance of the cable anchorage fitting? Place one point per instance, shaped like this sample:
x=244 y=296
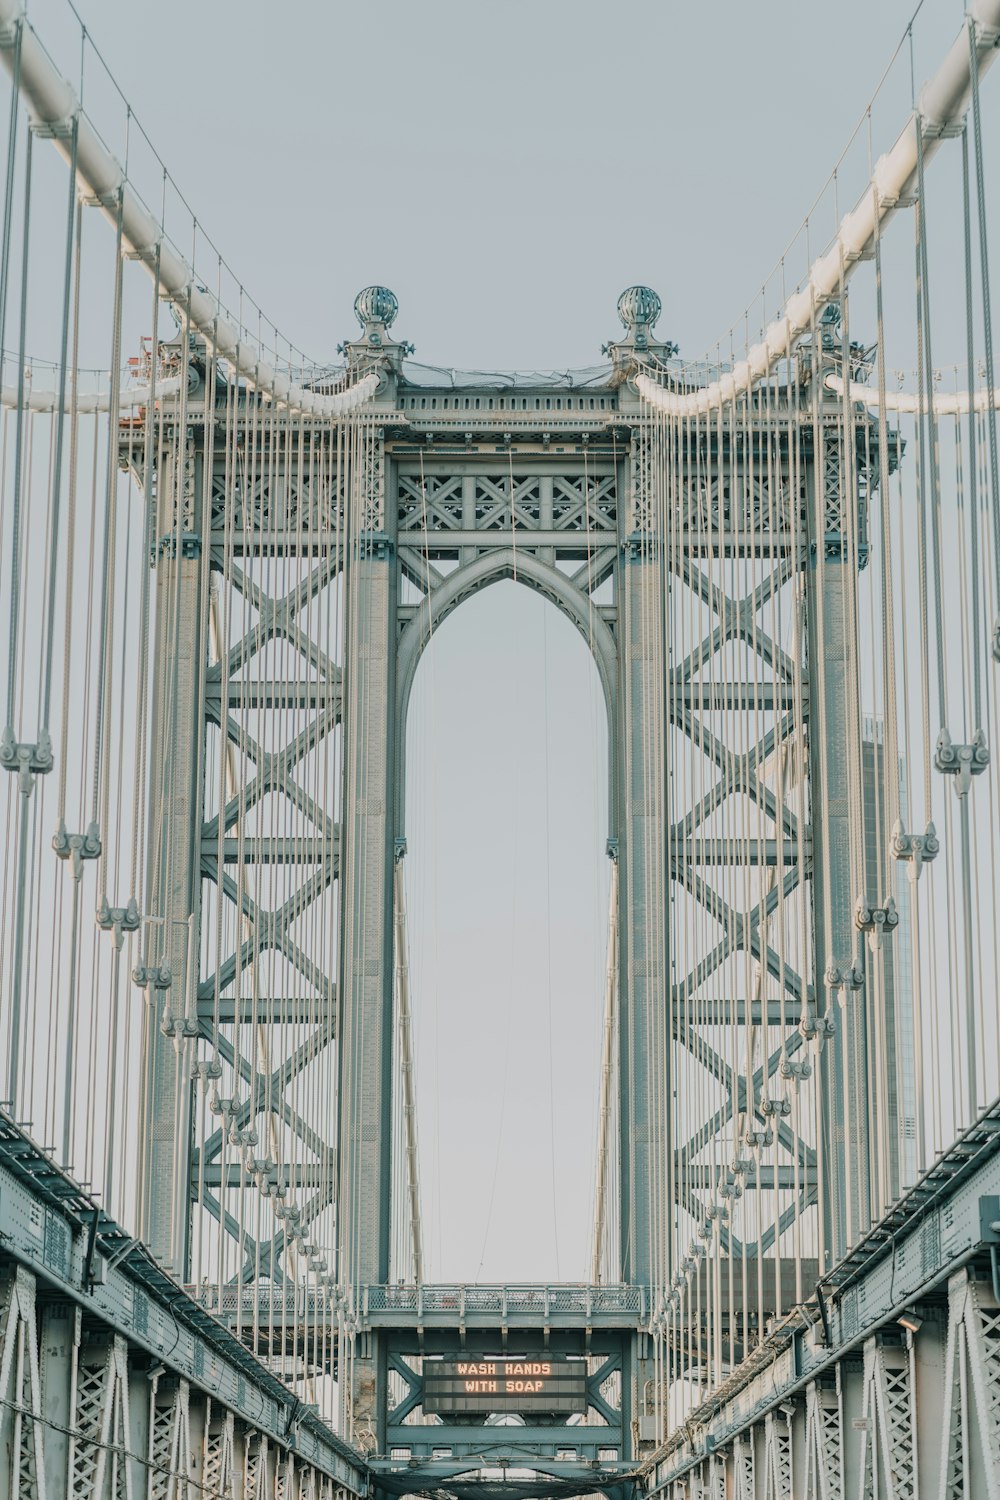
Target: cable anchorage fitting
x=206 y=1070
x=754 y=1141
x=876 y=921
x=962 y=761
x=56 y=130
x=265 y=1172
x=844 y=977
x=157 y=975
x=26 y=760
x=774 y=1107
x=77 y=847
x=814 y=1027
x=178 y=1027
x=918 y=849
x=795 y=1070
x=118 y=919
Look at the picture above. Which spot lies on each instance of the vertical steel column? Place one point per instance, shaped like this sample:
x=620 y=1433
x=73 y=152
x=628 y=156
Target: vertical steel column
x=138 y=1405
x=835 y=759
x=172 y=874
x=645 y=1047
x=930 y=1394
x=607 y=1063
x=365 y=1053
x=971 y=1405
x=406 y=1062
x=644 y=1071
x=59 y=1337
x=851 y=1371
x=22 y=1452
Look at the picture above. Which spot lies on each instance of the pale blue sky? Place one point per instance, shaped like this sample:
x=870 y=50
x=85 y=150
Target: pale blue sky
x=506 y=166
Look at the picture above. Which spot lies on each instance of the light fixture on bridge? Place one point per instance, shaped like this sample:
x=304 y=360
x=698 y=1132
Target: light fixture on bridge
x=910 y=1321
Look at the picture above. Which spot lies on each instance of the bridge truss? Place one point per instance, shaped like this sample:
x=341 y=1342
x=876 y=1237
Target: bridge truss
x=223 y=564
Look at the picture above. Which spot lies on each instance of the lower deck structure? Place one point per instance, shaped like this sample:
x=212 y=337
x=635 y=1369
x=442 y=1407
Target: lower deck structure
x=114 y=1381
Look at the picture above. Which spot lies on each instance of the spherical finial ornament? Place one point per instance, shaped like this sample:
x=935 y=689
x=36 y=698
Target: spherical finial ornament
x=376 y=304
x=639 y=305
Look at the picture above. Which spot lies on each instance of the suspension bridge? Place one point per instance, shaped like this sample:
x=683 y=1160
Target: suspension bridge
x=221 y=564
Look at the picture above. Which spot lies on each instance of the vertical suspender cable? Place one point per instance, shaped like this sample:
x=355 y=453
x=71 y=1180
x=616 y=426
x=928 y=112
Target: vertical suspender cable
x=60 y=422
x=406 y=1068
x=104 y=663
x=607 y=1053
x=7 y=746
x=984 y=265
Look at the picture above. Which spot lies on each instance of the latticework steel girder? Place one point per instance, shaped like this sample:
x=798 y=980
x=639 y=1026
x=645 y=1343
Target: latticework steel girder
x=878 y=1428
x=255 y=1044
x=888 y=1387
x=89 y=1412
x=114 y=1385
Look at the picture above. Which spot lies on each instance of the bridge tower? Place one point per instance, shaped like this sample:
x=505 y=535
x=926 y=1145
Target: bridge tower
x=541 y=483
x=209 y=1209
x=439 y=491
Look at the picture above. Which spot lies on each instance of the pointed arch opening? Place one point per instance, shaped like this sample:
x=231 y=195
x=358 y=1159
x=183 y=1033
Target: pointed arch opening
x=504 y=710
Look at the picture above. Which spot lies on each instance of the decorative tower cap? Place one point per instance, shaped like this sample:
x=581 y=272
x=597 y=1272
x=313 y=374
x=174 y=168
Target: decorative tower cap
x=639 y=307
x=375 y=308
x=376 y=304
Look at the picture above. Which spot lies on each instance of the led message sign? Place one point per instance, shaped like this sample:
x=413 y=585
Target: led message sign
x=505 y=1385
